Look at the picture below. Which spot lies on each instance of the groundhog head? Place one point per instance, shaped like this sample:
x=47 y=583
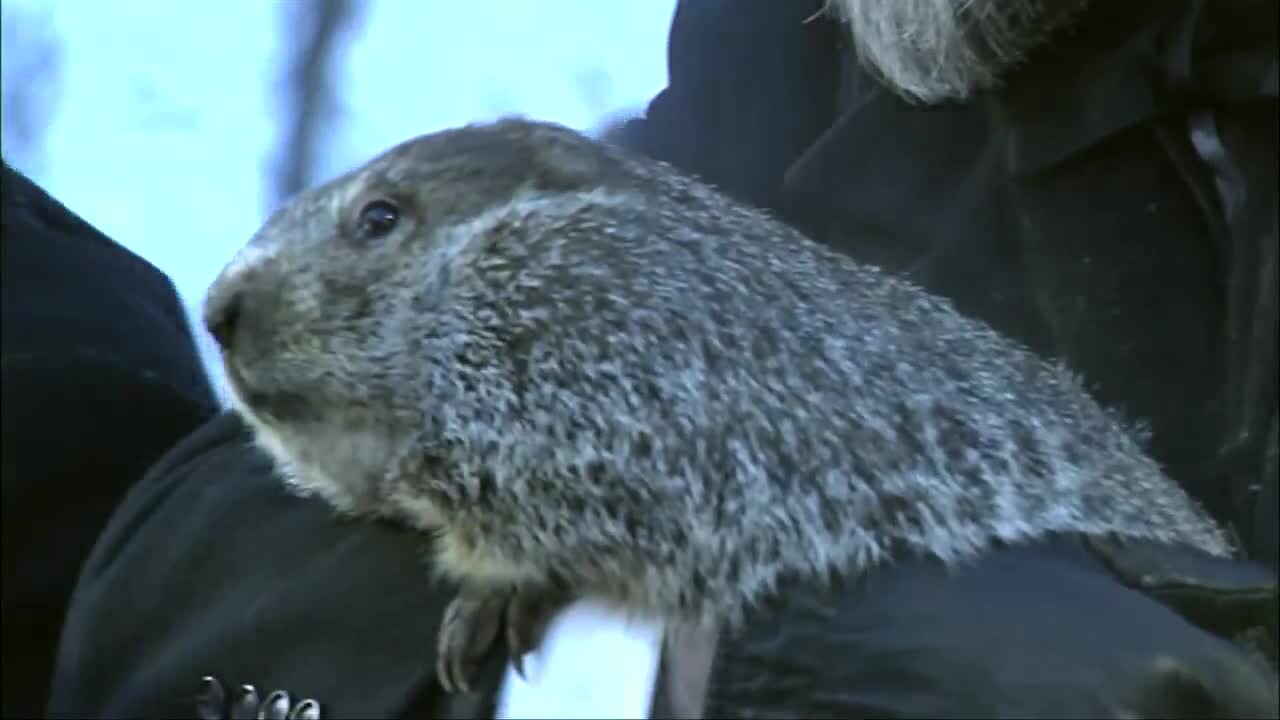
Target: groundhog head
x=326 y=319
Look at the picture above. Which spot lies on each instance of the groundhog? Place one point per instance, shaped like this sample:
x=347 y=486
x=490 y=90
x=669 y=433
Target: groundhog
x=587 y=374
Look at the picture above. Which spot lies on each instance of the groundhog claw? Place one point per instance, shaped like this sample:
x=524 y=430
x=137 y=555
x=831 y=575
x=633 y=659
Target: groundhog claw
x=467 y=632
x=526 y=620
x=471 y=624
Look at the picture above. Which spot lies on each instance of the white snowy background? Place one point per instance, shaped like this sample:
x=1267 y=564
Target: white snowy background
x=166 y=124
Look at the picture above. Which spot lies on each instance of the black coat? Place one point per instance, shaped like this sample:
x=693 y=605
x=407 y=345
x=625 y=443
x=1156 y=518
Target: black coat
x=99 y=379
x=1061 y=217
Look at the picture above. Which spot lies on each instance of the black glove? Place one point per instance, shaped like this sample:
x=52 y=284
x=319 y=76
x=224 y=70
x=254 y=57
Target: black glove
x=1042 y=631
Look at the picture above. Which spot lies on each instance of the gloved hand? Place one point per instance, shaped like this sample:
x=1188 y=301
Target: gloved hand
x=1228 y=598
x=1043 y=631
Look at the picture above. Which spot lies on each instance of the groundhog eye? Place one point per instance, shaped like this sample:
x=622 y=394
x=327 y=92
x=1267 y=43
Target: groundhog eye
x=376 y=219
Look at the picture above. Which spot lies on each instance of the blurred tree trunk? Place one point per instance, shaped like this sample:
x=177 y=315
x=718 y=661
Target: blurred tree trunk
x=308 y=84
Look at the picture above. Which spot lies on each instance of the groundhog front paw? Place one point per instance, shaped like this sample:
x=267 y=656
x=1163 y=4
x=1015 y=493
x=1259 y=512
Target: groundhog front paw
x=471 y=625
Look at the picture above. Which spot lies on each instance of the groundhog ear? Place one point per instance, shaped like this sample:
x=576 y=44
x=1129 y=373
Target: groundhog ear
x=564 y=165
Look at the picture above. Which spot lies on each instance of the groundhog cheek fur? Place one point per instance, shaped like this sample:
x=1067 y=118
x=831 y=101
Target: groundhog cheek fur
x=582 y=368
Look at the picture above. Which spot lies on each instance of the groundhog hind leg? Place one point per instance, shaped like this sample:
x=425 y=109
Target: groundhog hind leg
x=472 y=622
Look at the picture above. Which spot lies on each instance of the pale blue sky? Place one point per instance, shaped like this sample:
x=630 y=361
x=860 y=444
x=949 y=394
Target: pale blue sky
x=163 y=122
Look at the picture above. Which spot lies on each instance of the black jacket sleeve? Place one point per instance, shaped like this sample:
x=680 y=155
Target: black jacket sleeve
x=239 y=580
x=100 y=377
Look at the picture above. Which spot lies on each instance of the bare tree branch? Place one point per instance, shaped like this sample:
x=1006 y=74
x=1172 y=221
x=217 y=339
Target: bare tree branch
x=309 y=87
x=31 y=62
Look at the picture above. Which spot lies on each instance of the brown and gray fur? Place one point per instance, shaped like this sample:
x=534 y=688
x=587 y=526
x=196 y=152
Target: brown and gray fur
x=931 y=51
x=585 y=370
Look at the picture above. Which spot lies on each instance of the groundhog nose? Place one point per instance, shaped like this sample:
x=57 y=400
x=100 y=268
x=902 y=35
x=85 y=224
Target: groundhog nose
x=222 y=314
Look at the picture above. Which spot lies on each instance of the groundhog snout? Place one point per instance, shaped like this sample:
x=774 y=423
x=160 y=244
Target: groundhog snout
x=231 y=308
x=222 y=315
